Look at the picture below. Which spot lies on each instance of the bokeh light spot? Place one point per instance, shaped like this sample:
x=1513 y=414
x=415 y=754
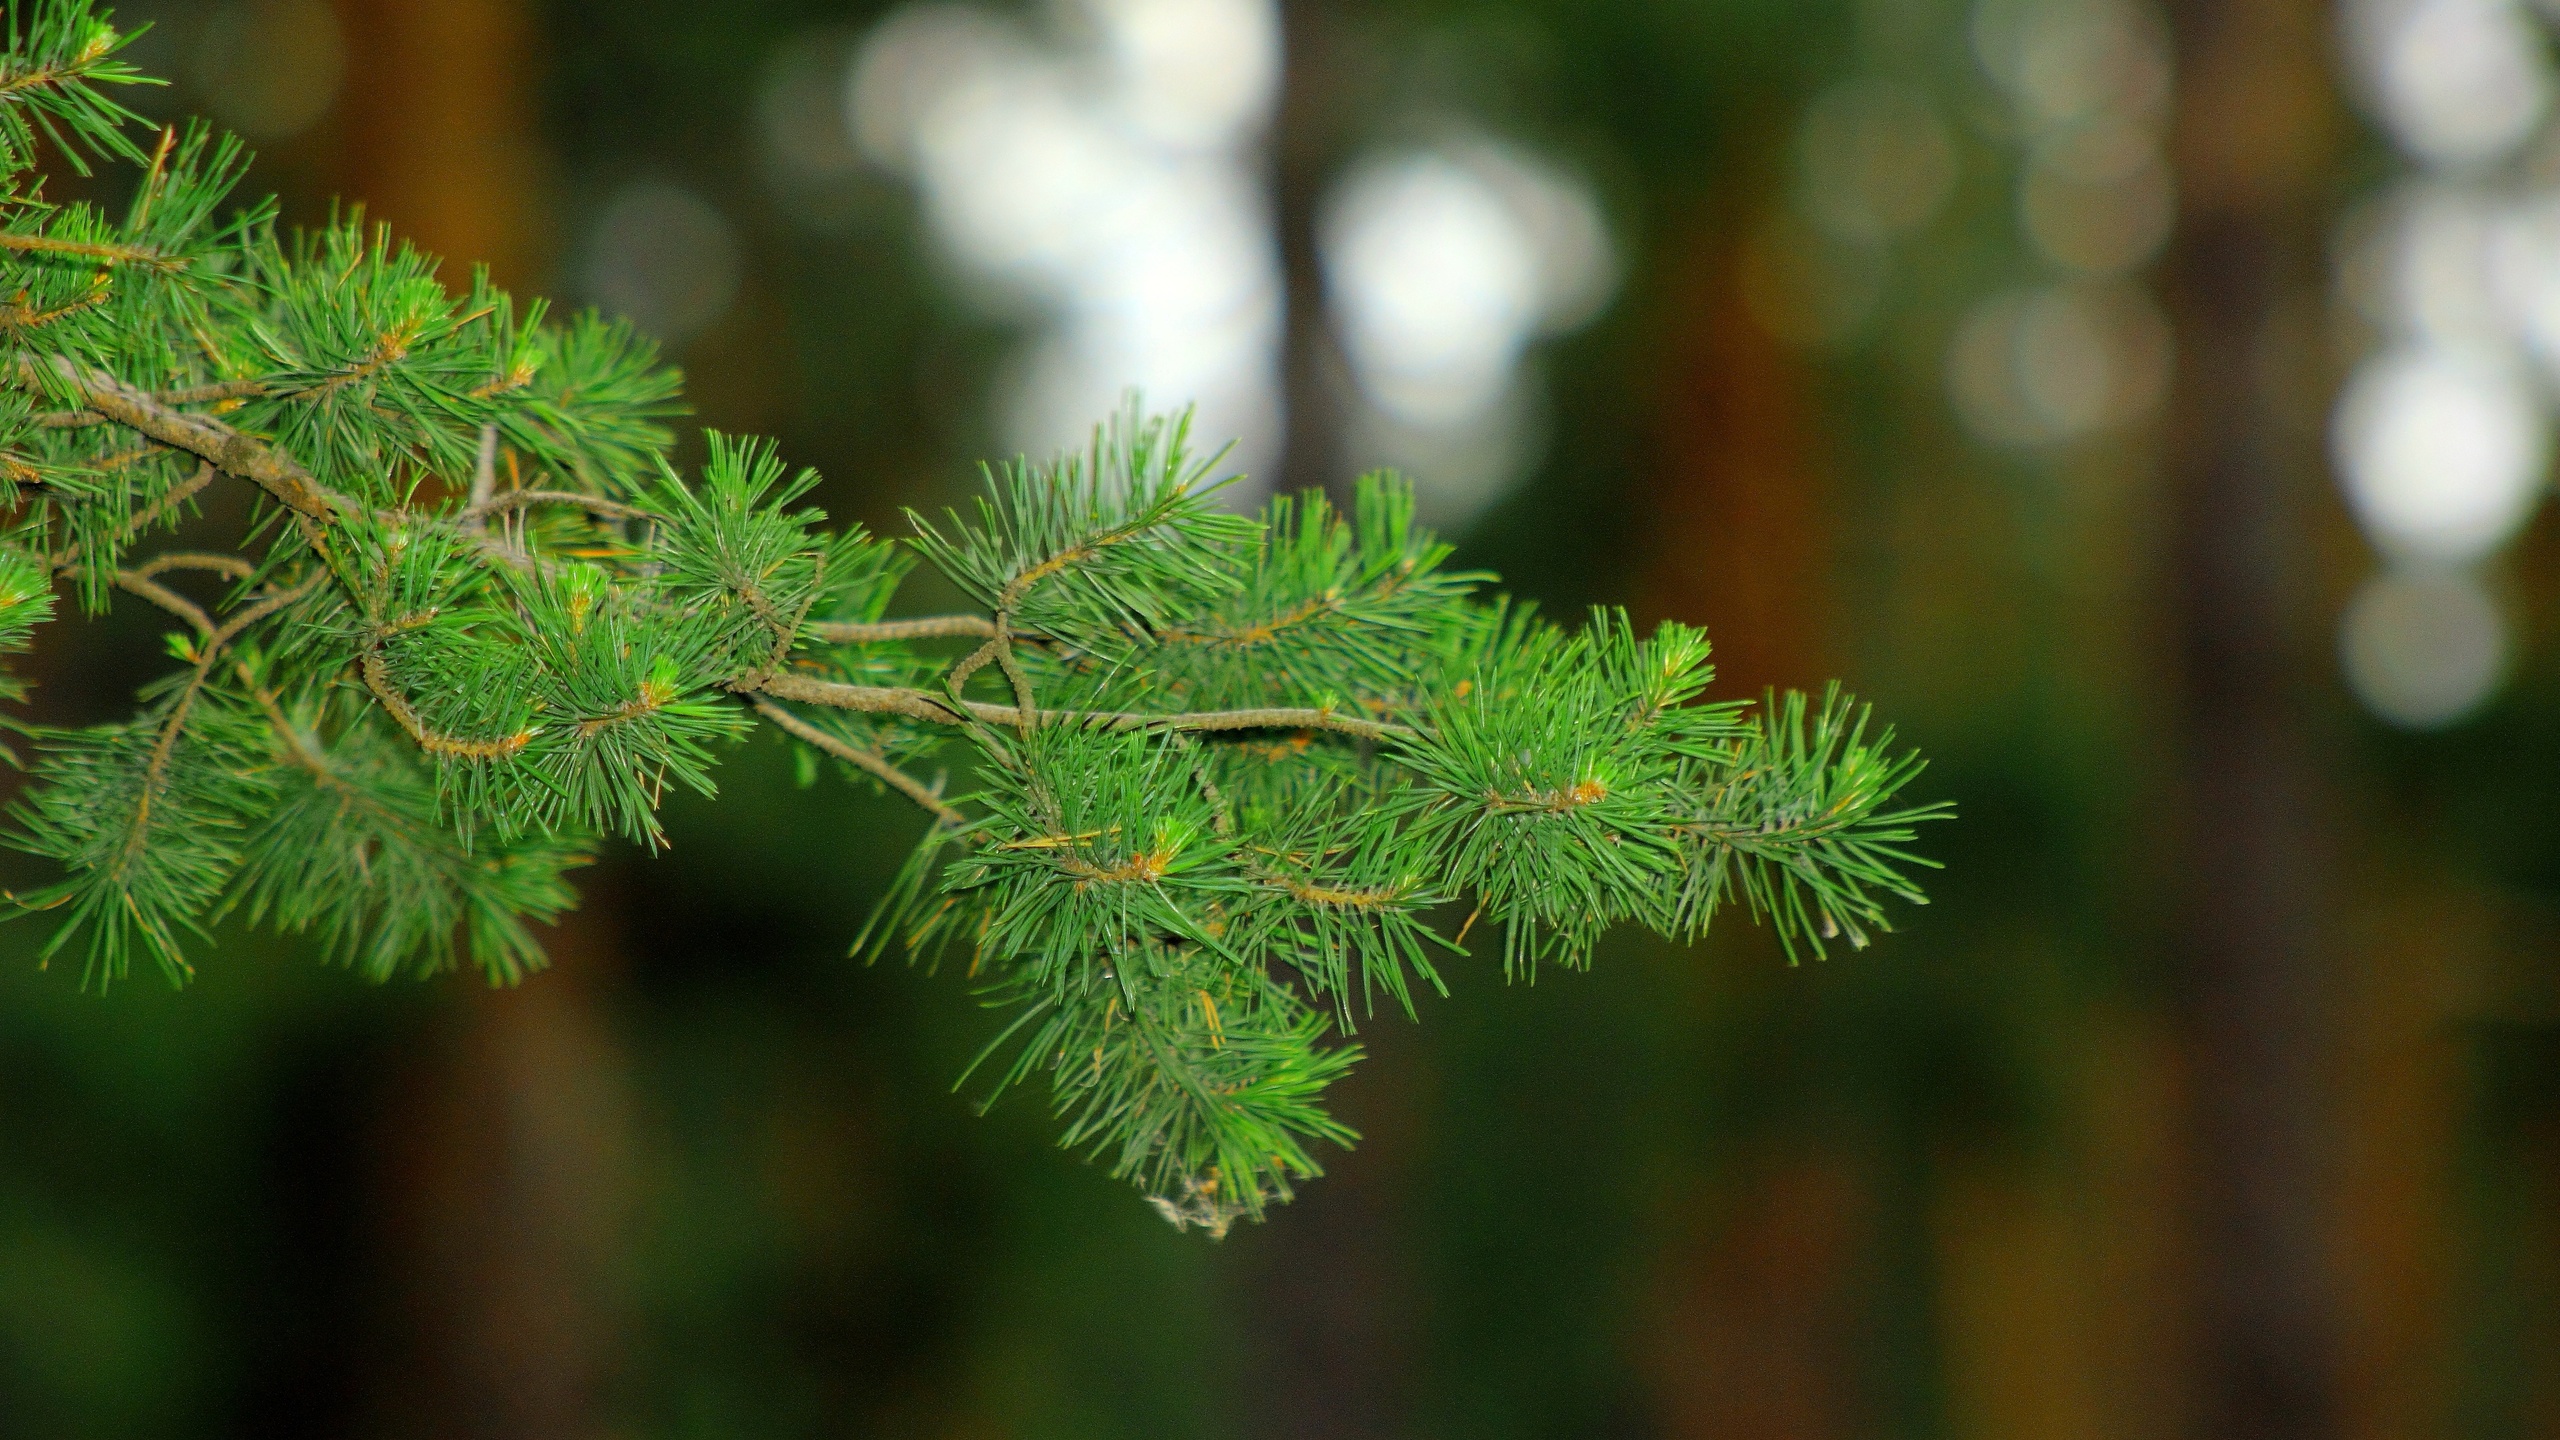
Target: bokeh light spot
x=2098 y=198
x=2037 y=367
x=2442 y=451
x=1442 y=266
x=2063 y=61
x=2422 y=649
x=1876 y=159
x=2457 y=82
x=271 y=68
x=1107 y=188
x=662 y=256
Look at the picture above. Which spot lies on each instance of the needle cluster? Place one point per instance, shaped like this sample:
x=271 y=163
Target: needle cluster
x=1200 y=793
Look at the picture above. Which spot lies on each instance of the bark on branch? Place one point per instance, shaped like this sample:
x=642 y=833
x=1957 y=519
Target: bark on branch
x=936 y=709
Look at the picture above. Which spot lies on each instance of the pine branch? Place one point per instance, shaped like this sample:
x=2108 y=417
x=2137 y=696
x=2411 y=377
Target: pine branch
x=226 y=449
x=1220 y=777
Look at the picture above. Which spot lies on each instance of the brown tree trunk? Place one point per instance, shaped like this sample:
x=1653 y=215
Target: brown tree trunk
x=1740 y=536
x=1308 y=138
x=2244 y=469
x=503 y=1159
x=435 y=129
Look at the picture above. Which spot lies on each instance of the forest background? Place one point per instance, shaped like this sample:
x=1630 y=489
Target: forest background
x=1983 y=355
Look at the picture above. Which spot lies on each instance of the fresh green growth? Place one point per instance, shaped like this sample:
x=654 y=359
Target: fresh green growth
x=1222 y=787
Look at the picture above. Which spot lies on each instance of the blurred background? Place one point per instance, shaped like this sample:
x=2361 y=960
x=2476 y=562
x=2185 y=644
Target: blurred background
x=2147 y=403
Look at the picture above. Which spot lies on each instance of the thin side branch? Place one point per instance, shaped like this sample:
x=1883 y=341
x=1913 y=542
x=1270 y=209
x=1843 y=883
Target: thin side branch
x=484 y=481
x=155 y=774
x=881 y=632
x=973 y=662
x=481 y=509
x=303 y=750
x=214 y=394
x=250 y=615
x=184 y=491
x=104 y=252
x=878 y=766
x=377 y=678
x=943 y=710
x=1025 y=703
x=234 y=566
x=167 y=599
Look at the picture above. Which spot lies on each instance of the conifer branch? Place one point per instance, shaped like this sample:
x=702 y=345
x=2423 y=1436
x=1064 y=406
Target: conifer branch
x=227 y=449
x=976 y=660
x=217 y=394
x=103 y=252
x=484 y=480
x=377 y=679
x=209 y=651
x=69 y=558
x=234 y=566
x=1026 y=705
x=1247 y=767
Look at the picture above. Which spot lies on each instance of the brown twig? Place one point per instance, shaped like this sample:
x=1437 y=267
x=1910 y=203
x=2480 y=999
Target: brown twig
x=178 y=495
x=251 y=459
x=275 y=601
x=973 y=662
x=1026 y=705
x=102 y=251
x=167 y=599
x=945 y=710
x=880 y=632
x=377 y=678
x=232 y=565
x=878 y=766
x=481 y=508
x=484 y=481
x=192 y=395
x=155 y=771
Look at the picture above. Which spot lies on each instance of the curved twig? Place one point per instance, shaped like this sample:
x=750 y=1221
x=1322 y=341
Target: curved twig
x=878 y=766
x=178 y=495
x=166 y=598
x=377 y=678
x=234 y=566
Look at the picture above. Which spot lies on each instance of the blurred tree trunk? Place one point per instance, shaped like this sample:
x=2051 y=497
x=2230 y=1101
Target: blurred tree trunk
x=1330 y=1293
x=504 y=1159
x=1740 y=537
x=1754 y=1323
x=2243 y=274
x=1308 y=139
x=1752 y=1327
x=504 y=1190
x=435 y=129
